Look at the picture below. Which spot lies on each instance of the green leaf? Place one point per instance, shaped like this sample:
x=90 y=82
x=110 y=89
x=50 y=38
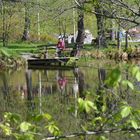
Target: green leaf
x=114 y=78
x=7 y=116
x=134 y=124
x=117 y=117
x=53 y=129
x=38 y=118
x=88 y=105
x=16 y=118
x=128 y=83
x=104 y=108
x=81 y=104
x=102 y=138
x=138 y=76
x=126 y=110
x=6 y=129
x=26 y=136
x=12 y=117
x=25 y=126
x=47 y=116
x=96 y=120
x=71 y=61
x=135 y=70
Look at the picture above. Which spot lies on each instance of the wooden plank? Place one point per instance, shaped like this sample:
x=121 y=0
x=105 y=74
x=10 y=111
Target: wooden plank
x=35 y=67
x=48 y=61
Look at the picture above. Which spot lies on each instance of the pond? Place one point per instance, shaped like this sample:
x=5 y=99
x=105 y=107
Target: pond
x=26 y=91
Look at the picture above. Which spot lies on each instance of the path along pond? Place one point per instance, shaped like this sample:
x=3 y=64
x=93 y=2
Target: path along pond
x=27 y=91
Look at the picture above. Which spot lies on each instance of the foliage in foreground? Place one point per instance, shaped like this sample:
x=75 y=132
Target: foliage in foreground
x=110 y=111
x=14 y=126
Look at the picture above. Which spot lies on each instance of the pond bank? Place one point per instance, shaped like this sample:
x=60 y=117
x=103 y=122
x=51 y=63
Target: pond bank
x=6 y=63
x=107 y=53
x=114 y=54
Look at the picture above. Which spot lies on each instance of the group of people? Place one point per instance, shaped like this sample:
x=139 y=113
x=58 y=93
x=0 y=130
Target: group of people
x=61 y=45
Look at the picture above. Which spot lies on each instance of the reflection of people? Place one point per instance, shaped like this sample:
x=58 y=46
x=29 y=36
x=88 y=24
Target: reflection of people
x=62 y=81
x=60 y=46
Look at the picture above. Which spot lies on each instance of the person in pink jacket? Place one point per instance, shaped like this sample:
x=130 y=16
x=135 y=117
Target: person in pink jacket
x=60 y=46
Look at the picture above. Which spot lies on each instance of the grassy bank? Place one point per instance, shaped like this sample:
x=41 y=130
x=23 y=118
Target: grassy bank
x=12 y=53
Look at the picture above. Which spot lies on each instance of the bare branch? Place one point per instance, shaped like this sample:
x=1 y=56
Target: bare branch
x=113 y=14
x=92 y=133
x=77 y=3
x=117 y=17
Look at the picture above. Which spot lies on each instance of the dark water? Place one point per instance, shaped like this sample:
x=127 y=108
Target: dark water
x=56 y=92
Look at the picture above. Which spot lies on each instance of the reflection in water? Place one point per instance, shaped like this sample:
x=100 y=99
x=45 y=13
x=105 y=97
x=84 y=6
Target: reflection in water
x=79 y=75
x=28 y=75
x=101 y=85
x=47 y=84
x=106 y=102
x=126 y=91
x=102 y=76
x=29 y=84
x=5 y=87
x=40 y=93
x=62 y=81
x=56 y=92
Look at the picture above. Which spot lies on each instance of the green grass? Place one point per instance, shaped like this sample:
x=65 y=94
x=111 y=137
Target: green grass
x=15 y=49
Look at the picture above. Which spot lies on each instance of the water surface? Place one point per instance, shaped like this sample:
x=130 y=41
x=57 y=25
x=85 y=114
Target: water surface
x=56 y=92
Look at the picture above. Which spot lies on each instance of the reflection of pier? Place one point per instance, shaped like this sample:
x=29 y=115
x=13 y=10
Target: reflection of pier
x=49 y=82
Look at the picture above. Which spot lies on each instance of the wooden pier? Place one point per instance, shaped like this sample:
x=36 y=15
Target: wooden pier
x=50 y=63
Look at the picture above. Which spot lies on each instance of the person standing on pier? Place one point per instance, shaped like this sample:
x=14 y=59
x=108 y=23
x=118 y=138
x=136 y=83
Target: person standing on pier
x=60 y=47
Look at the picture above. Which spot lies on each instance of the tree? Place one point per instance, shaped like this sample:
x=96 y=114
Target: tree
x=7 y=13
x=111 y=9
x=26 y=33
x=101 y=39
x=80 y=25
x=120 y=10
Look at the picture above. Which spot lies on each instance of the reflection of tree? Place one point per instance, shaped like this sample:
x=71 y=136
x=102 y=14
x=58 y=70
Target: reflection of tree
x=107 y=100
x=101 y=77
x=127 y=88
x=5 y=85
x=29 y=89
x=81 y=82
x=29 y=85
x=49 y=85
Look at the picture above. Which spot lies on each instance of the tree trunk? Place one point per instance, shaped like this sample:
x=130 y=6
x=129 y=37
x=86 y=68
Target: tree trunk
x=4 y=34
x=26 y=33
x=81 y=32
x=118 y=38
x=113 y=31
x=101 y=39
x=126 y=40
